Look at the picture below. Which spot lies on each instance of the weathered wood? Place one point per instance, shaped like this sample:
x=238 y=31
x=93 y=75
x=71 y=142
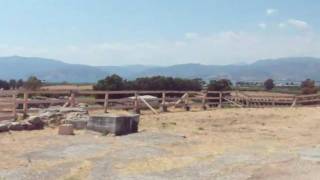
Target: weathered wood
x=163 y=107
x=294 y=102
x=25 y=103
x=106 y=102
x=14 y=106
x=148 y=105
x=136 y=103
x=236 y=104
x=72 y=99
x=204 y=100
x=220 y=99
x=181 y=99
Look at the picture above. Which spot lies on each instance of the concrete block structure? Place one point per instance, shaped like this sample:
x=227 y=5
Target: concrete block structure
x=115 y=124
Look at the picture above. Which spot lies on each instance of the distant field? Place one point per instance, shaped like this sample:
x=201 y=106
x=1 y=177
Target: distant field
x=286 y=90
x=67 y=87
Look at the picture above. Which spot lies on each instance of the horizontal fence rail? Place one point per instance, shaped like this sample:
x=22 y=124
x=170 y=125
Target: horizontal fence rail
x=12 y=102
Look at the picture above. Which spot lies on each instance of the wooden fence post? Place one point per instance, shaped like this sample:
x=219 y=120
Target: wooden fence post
x=204 y=100
x=106 y=102
x=186 y=102
x=14 y=108
x=25 y=104
x=136 y=103
x=163 y=107
x=294 y=102
x=72 y=99
x=220 y=99
x=273 y=102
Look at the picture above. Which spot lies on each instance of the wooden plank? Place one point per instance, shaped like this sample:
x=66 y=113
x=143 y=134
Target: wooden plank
x=294 y=102
x=106 y=102
x=25 y=103
x=47 y=101
x=136 y=102
x=220 y=100
x=148 y=105
x=182 y=98
x=234 y=103
x=14 y=106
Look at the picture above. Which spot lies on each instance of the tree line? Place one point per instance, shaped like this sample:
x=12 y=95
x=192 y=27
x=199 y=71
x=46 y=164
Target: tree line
x=32 y=83
x=307 y=86
x=116 y=83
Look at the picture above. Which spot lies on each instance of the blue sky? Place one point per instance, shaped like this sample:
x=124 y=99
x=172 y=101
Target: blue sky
x=159 y=32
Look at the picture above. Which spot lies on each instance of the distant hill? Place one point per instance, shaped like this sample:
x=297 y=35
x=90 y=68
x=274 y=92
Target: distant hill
x=47 y=69
x=295 y=69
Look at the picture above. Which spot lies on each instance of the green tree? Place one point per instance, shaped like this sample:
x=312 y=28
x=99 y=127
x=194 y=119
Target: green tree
x=308 y=87
x=268 y=84
x=116 y=83
x=111 y=83
x=33 y=83
x=4 y=85
x=20 y=83
x=220 y=85
x=13 y=84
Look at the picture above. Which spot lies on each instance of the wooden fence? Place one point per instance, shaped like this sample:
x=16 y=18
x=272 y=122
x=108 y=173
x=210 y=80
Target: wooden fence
x=13 y=102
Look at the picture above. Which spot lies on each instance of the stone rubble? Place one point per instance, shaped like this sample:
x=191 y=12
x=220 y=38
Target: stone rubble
x=55 y=115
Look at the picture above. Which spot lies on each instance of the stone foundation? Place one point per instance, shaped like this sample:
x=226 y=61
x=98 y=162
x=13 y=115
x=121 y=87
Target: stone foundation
x=115 y=124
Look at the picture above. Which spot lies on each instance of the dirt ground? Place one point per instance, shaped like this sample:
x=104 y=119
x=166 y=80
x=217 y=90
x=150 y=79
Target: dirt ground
x=270 y=143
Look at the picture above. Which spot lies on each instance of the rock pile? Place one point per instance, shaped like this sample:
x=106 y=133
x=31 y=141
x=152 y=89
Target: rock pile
x=31 y=123
x=77 y=116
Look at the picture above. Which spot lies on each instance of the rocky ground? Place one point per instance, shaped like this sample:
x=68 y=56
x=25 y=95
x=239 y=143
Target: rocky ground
x=270 y=143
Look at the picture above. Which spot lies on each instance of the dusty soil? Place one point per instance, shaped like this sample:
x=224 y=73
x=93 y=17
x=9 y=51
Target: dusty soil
x=275 y=143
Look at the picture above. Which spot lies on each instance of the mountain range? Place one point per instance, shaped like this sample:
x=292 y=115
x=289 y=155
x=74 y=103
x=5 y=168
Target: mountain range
x=282 y=69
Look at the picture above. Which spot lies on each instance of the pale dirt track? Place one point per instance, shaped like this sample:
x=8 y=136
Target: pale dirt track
x=275 y=143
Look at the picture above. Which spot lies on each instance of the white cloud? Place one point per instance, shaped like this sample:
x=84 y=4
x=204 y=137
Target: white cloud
x=299 y=24
x=262 y=25
x=191 y=35
x=271 y=11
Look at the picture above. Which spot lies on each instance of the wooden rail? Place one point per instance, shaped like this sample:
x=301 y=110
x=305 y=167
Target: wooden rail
x=20 y=101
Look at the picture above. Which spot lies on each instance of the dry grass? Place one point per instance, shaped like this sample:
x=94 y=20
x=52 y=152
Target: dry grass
x=269 y=135
x=67 y=87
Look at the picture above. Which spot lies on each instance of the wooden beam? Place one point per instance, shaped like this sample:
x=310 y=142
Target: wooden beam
x=204 y=100
x=181 y=99
x=25 y=104
x=220 y=99
x=106 y=102
x=294 y=102
x=14 y=106
x=239 y=105
x=148 y=105
x=136 y=102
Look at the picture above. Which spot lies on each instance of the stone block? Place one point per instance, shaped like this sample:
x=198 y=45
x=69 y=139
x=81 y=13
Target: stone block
x=115 y=124
x=15 y=126
x=78 y=124
x=4 y=127
x=66 y=129
x=36 y=122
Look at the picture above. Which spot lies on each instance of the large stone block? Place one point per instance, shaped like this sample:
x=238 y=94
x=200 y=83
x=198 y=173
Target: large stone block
x=115 y=124
x=66 y=129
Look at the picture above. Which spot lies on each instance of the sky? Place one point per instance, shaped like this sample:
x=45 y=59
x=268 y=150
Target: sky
x=159 y=32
